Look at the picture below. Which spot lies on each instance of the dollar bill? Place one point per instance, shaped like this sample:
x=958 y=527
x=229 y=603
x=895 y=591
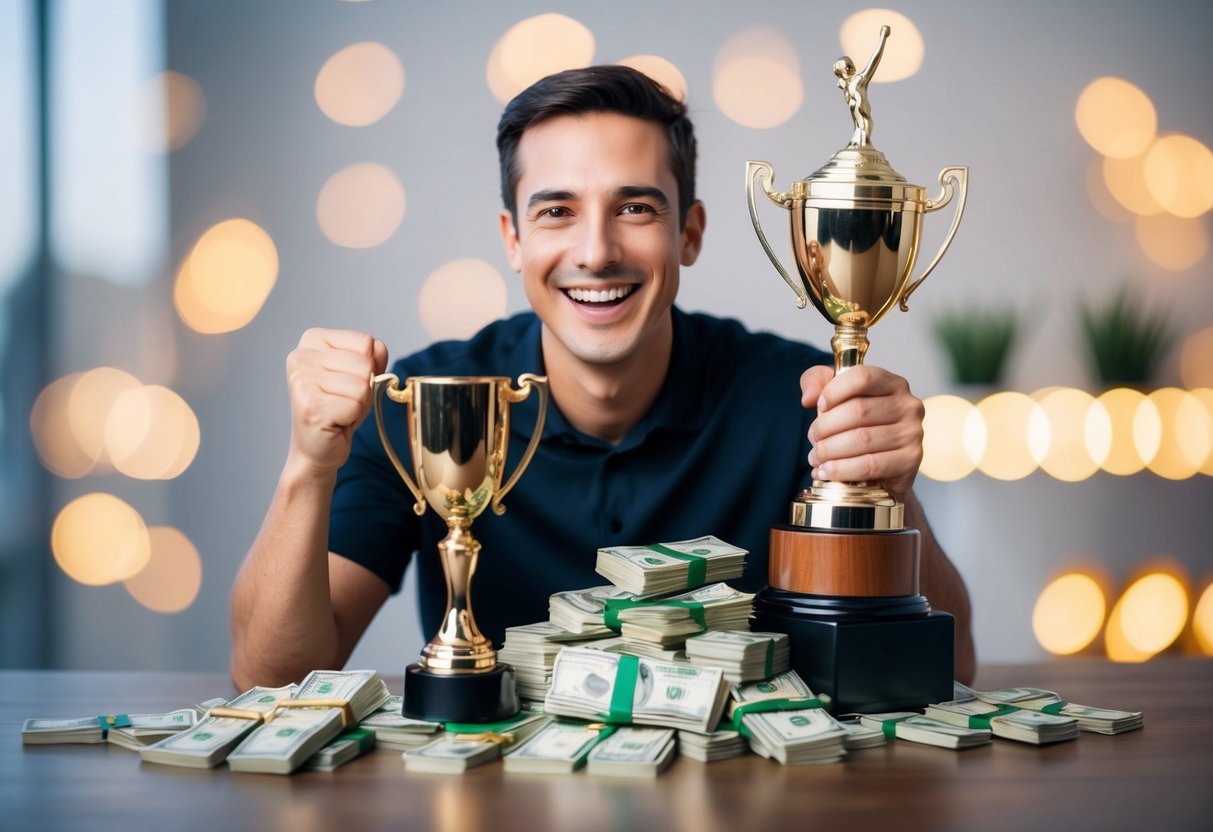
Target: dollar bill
x=210 y=740
x=349 y=745
x=392 y=729
x=792 y=735
x=633 y=752
x=455 y=753
x=558 y=748
x=913 y=727
x=580 y=611
x=669 y=567
x=133 y=731
x=742 y=655
x=721 y=744
x=1005 y=721
x=1098 y=720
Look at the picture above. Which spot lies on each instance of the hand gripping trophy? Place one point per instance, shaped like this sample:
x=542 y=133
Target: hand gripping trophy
x=844 y=570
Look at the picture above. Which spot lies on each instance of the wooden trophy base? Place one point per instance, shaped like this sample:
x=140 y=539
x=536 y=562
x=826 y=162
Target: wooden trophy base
x=489 y=696
x=859 y=630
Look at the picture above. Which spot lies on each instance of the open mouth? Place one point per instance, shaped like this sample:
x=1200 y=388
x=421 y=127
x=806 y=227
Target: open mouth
x=600 y=297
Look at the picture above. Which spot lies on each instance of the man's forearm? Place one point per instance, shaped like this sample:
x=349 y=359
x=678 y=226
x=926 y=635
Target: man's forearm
x=943 y=586
x=281 y=611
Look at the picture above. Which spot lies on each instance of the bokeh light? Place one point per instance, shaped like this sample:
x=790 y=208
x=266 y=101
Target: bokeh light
x=225 y=280
x=1122 y=405
x=99 y=539
x=1185 y=434
x=1196 y=359
x=536 y=47
x=151 y=433
x=51 y=429
x=171 y=579
x=1171 y=242
x=1079 y=434
x=361 y=206
x=1126 y=182
x=1008 y=454
x=168 y=112
x=661 y=71
x=1148 y=618
x=1202 y=621
x=1069 y=613
x=1115 y=117
x=1179 y=174
x=1106 y=205
x=360 y=84
x=756 y=78
x=1204 y=395
x=944 y=455
x=903 y=53
x=460 y=297
x=89 y=406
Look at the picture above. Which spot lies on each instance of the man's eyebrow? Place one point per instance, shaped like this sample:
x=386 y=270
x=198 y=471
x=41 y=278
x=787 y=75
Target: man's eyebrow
x=656 y=194
x=549 y=195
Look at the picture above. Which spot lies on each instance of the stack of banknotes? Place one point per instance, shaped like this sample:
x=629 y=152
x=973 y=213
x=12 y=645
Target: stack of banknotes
x=532 y=649
x=455 y=752
x=742 y=655
x=133 y=731
x=662 y=568
x=1097 y=720
x=784 y=721
x=912 y=726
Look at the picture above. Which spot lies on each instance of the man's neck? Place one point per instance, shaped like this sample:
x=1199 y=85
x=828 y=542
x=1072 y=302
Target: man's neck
x=607 y=400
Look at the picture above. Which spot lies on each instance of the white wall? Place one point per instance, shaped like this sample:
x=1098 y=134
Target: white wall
x=996 y=92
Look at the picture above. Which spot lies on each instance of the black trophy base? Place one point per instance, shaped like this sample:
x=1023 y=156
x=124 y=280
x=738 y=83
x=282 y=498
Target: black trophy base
x=869 y=655
x=490 y=696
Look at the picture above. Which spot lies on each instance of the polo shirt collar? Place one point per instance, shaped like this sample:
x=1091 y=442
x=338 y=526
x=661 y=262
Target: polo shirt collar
x=680 y=405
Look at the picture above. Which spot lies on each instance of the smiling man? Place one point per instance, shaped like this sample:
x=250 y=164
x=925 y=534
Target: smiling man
x=664 y=425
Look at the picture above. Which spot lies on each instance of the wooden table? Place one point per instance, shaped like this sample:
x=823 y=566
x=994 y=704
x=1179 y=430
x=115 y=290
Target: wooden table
x=1154 y=780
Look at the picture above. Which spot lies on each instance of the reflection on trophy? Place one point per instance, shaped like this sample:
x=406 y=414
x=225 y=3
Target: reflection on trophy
x=844 y=570
x=458 y=433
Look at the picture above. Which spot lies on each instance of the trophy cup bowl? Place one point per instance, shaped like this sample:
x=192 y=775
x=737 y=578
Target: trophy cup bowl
x=458 y=429
x=843 y=571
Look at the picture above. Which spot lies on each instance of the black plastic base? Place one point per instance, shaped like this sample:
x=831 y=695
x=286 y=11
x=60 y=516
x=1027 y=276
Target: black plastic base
x=869 y=655
x=471 y=697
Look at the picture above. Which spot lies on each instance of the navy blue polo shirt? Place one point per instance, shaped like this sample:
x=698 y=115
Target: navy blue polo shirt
x=722 y=451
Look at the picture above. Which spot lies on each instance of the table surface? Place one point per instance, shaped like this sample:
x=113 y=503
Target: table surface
x=1158 y=778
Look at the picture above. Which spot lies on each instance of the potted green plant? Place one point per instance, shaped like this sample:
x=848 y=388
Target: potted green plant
x=976 y=342
x=1125 y=340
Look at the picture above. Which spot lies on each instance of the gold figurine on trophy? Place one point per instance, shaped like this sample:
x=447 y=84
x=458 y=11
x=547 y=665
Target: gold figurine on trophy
x=855 y=233
x=458 y=433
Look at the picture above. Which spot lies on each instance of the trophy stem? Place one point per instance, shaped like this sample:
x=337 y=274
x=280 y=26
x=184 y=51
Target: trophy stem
x=459 y=646
x=850 y=344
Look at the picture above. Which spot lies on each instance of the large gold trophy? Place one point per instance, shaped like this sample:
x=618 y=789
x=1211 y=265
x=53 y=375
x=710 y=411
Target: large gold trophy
x=844 y=570
x=458 y=433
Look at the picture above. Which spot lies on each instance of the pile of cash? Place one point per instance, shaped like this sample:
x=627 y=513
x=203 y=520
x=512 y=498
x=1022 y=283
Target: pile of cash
x=211 y=739
x=581 y=610
x=532 y=649
x=1005 y=721
x=914 y=727
x=723 y=743
x=633 y=752
x=671 y=619
x=785 y=722
x=392 y=729
x=742 y=655
x=133 y=731
x=594 y=685
x=455 y=753
x=662 y=568
x=329 y=699
x=1098 y=720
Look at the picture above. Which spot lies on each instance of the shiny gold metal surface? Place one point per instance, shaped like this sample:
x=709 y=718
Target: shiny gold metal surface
x=458 y=434
x=855 y=229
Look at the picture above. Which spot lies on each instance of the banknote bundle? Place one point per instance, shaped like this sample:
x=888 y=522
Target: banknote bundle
x=559 y=747
x=670 y=620
x=1005 y=721
x=598 y=686
x=351 y=743
x=1097 y=720
x=133 y=731
x=860 y=736
x=633 y=752
x=457 y=750
x=326 y=702
x=723 y=743
x=784 y=721
x=392 y=729
x=742 y=655
x=662 y=568
x=210 y=740
x=914 y=727
x=644 y=649
x=581 y=610
x=532 y=649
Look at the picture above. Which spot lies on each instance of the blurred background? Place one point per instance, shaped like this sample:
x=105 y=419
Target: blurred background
x=186 y=186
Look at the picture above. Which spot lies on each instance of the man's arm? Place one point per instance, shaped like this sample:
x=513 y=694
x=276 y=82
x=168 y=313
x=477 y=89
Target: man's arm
x=297 y=607
x=869 y=428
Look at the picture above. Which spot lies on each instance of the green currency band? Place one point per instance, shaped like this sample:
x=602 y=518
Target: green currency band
x=485 y=727
x=697 y=567
x=769 y=667
x=1055 y=708
x=109 y=721
x=365 y=738
x=889 y=727
x=983 y=720
x=610 y=617
x=739 y=711
x=623 y=692
x=605 y=732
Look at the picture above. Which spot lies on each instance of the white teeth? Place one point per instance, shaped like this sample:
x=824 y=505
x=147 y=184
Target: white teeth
x=596 y=296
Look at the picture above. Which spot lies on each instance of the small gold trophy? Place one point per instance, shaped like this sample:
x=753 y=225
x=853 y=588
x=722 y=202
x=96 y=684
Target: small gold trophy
x=845 y=556
x=458 y=433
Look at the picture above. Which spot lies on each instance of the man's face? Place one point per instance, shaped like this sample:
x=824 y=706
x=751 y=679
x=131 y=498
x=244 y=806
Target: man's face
x=598 y=241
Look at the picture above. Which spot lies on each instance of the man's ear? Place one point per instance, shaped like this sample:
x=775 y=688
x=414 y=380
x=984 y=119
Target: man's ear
x=509 y=239
x=691 y=238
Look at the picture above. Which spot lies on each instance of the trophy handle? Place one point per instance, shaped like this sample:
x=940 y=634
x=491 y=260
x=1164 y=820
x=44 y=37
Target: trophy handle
x=526 y=382
x=752 y=170
x=947 y=176
x=390 y=384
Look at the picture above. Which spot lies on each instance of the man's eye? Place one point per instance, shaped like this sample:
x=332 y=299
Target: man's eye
x=636 y=208
x=556 y=212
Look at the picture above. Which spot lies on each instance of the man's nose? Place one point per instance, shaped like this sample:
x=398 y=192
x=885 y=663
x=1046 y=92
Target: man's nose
x=598 y=247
